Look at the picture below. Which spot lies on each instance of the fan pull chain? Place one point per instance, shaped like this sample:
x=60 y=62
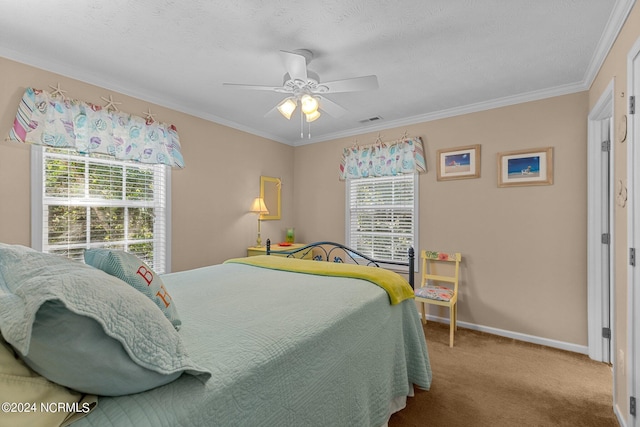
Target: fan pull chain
x=301 y=125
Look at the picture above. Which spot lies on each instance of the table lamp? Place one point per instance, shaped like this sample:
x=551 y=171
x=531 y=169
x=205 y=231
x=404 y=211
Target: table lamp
x=259 y=208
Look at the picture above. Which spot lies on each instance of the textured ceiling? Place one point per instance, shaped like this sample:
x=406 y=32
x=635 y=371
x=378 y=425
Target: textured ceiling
x=433 y=58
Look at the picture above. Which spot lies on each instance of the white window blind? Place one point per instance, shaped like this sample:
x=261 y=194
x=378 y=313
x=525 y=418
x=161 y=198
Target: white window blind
x=382 y=216
x=98 y=202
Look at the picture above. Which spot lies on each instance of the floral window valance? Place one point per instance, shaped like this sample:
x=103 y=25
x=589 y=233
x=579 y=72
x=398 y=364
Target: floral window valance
x=383 y=159
x=55 y=121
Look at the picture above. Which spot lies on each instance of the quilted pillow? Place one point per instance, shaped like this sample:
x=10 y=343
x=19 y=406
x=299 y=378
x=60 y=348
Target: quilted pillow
x=85 y=329
x=134 y=271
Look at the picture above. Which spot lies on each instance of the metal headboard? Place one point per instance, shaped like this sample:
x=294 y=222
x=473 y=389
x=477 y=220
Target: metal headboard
x=337 y=252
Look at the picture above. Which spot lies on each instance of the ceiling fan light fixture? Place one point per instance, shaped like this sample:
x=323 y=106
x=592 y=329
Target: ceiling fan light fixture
x=301 y=85
x=309 y=104
x=287 y=107
x=312 y=116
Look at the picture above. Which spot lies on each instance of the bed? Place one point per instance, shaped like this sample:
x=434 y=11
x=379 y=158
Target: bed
x=267 y=344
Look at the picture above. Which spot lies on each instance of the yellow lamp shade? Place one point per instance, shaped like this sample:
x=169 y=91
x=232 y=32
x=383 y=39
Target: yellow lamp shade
x=259 y=207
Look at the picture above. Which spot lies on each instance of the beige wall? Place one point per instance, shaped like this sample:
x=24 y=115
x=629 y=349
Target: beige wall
x=210 y=198
x=615 y=69
x=524 y=248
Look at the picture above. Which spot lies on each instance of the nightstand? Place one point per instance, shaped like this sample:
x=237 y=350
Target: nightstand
x=262 y=250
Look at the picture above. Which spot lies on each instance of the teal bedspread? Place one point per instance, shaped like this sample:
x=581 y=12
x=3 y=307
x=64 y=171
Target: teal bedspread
x=284 y=349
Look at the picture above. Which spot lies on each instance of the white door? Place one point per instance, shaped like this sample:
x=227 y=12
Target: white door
x=633 y=224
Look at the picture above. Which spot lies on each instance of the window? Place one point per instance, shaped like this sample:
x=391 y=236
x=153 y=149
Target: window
x=382 y=216
x=82 y=202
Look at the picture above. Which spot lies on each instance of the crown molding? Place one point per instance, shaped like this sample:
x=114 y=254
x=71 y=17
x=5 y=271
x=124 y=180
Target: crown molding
x=614 y=25
x=457 y=111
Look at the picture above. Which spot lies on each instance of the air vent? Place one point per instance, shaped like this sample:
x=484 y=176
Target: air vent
x=371 y=119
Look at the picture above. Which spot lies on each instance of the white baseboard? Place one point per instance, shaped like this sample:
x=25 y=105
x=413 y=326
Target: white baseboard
x=621 y=420
x=516 y=335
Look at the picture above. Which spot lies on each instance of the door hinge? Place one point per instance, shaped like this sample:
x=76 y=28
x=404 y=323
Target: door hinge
x=605 y=238
x=632 y=256
x=606 y=333
x=632 y=105
x=632 y=406
x=606 y=146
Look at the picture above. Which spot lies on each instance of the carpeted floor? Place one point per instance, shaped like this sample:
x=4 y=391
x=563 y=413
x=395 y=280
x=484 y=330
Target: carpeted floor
x=486 y=380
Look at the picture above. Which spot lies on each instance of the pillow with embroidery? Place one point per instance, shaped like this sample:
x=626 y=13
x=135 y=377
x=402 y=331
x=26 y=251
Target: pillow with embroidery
x=85 y=329
x=137 y=273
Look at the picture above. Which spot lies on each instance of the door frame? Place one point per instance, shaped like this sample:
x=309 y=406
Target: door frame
x=598 y=295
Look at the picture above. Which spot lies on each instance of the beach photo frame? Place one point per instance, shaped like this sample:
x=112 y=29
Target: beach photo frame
x=458 y=163
x=525 y=167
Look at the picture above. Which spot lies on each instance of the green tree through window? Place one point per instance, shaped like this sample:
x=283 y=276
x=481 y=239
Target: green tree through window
x=95 y=201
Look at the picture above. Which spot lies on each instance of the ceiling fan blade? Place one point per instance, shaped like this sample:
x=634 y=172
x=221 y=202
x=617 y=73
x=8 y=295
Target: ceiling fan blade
x=253 y=87
x=272 y=113
x=295 y=64
x=352 y=85
x=331 y=108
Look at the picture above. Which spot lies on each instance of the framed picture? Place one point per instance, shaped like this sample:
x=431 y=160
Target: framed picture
x=525 y=167
x=458 y=163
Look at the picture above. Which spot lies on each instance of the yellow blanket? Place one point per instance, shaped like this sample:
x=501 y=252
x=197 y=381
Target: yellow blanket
x=395 y=285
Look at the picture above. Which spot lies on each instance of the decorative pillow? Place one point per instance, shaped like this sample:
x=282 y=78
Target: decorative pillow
x=134 y=271
x=439 y=293
x=85 y=329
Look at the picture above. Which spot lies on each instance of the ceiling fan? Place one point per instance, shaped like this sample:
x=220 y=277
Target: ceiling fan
x=305 y=88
